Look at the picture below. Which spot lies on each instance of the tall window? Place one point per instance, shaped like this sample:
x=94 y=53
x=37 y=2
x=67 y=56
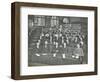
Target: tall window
x=54 y=21
x=39 y=20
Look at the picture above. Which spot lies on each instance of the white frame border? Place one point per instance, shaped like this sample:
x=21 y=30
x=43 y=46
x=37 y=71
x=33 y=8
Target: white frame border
x=25 y=70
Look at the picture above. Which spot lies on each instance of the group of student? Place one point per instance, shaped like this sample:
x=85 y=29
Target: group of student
x=59 y=42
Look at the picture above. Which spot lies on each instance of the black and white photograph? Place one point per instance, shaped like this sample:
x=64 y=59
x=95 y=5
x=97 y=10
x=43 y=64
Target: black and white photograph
x=57 y=40
x=53 y=40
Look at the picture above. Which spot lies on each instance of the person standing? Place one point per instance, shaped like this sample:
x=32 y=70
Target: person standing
x=78 y=53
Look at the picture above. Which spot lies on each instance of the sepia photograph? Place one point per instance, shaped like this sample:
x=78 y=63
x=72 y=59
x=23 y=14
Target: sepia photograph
x=57 y=40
